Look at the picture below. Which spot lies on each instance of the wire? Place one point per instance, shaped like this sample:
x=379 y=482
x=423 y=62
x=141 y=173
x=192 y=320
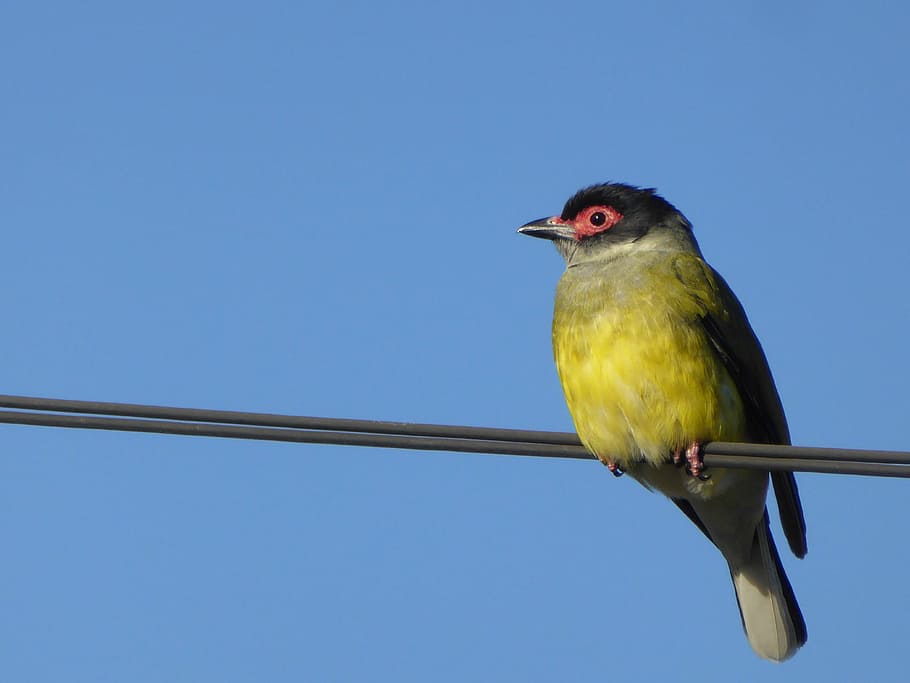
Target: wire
x=291 y=421
x=428 y=437
x=295 y=435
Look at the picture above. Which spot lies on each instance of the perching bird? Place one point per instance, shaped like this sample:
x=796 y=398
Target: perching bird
x=656 y=357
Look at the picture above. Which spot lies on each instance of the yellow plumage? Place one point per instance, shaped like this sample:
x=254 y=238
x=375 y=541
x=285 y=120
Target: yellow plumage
x=636 y=368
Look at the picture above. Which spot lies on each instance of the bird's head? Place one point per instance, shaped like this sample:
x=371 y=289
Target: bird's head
x=601 y=221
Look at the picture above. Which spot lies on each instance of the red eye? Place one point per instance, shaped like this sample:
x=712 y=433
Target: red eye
x=595 y=220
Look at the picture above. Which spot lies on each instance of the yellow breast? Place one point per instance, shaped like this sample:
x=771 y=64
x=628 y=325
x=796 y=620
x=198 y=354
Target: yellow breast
x=640 y=376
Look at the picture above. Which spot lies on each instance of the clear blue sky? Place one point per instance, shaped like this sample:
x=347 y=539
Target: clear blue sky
x=311 y=208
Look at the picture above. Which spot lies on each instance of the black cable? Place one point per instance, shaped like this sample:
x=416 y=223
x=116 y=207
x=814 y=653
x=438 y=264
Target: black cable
x=231 y=431
x=271 y=427
x=292 y=421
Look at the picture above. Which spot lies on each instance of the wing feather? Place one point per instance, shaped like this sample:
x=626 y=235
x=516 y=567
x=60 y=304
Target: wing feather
x=733 y=340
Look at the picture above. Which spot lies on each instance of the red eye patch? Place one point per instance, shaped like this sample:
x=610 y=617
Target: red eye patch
x=595 y=220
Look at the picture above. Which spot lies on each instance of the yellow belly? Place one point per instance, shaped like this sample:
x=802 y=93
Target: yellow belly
x=639 y=375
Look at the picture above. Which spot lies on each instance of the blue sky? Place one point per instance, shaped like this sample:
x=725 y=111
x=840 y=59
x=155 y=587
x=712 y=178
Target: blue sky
x=311 y=209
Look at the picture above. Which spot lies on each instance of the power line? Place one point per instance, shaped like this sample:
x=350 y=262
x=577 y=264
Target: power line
x=290 y=421
x=428 y=437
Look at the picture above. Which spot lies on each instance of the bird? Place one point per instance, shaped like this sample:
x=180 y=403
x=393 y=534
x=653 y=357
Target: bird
x=656 y=357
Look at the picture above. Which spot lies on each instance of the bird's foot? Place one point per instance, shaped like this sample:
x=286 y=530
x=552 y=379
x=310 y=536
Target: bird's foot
x=695 y=463
x=615 y=469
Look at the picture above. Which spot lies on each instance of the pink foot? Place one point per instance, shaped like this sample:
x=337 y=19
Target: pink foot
x=615 y=469
x=695 y=464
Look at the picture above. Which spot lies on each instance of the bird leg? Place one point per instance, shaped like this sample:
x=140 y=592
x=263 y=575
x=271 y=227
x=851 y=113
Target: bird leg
x=693 y=459
x=695 y=464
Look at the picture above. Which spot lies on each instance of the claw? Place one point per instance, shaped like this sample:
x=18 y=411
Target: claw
x=678 y=456
x=695 y=464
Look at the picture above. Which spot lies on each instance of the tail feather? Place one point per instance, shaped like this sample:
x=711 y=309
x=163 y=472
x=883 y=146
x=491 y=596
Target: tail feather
x=770 y=614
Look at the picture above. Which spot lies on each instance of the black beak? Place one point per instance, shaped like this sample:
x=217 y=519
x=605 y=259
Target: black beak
x=552 y=228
